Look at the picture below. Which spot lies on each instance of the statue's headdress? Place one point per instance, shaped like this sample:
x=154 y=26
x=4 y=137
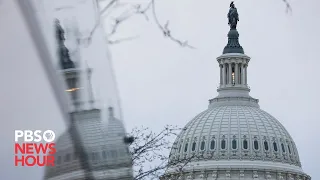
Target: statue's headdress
x=231 y=4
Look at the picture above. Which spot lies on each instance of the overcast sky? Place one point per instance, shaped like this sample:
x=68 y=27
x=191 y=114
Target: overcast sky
x=161 y=83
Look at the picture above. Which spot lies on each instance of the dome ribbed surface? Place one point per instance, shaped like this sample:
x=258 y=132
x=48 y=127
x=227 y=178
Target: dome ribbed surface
x=108 y=155
x=236 y=132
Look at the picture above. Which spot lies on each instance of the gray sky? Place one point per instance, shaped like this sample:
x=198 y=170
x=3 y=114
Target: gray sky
x=161 y=83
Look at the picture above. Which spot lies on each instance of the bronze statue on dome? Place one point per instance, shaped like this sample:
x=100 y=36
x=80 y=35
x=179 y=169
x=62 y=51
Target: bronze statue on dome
x=233 y=16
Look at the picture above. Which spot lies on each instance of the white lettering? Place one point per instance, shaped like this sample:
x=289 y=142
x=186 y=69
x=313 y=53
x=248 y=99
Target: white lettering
x=17 y=135
x=28 y=136
x=34 y=136
x=37 y=135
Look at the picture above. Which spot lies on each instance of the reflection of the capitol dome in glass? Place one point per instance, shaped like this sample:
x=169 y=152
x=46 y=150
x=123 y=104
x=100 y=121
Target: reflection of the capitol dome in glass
x=108 y=155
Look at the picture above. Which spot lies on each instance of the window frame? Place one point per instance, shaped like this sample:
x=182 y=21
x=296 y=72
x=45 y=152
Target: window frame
x=247 y=144
x=256 y=142
x=223 y=142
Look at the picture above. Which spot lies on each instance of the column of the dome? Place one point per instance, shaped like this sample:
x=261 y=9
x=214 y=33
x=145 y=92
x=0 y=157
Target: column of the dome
x=245 y=72
x=242 y=75
x=236 y=74
x=230 y=74
x=220 y=66
x=223 y=74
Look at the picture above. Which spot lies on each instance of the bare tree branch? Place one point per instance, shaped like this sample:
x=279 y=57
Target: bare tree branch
x=122 y=40
x=150 y=150
x=138 y=9
x=109 y=5
x=135 y=9
x=165 y=28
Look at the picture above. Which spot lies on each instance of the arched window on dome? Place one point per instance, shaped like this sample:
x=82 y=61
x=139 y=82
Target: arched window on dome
x=212 y=144
x=114 y=154
x=67 y=158
x=59 y=160
x=266 y=145
x=180 y=148
x=245 y=144
x=94 y=156
x=104 y=155
x=186 y=147
x=256 y=144
x=75 y=156
x=289 y=149
x=194 y=146
x=202 y=147
x=122 y=152
x=275 y=147
x=234 y=144
x=293 y=148
x=283 y=149
x=223 y=144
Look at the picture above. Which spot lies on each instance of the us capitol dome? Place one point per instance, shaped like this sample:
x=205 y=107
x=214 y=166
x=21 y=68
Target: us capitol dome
x=88 y=149
x=234 y=139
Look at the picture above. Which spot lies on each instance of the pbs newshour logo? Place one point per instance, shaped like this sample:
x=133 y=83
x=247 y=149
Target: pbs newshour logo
x=37 y=148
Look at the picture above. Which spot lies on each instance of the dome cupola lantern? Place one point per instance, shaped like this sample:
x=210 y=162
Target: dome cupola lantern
x=233 y=63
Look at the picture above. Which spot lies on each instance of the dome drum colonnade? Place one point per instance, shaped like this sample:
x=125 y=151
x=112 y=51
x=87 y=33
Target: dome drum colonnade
x=233 y=71
x=234 y=138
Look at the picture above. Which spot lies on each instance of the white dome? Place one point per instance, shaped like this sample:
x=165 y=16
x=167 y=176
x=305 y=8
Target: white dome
x=237 y=133
x=236 y=141
x=234 y=138
x=108 y=155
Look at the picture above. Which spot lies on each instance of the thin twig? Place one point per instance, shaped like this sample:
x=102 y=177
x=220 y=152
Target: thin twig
x=165 y=28
x=122 y=40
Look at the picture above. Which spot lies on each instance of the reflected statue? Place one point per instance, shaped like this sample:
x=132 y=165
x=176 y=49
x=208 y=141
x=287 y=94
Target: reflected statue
x=233 y=16
x=63 y=52
x=59 y=32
